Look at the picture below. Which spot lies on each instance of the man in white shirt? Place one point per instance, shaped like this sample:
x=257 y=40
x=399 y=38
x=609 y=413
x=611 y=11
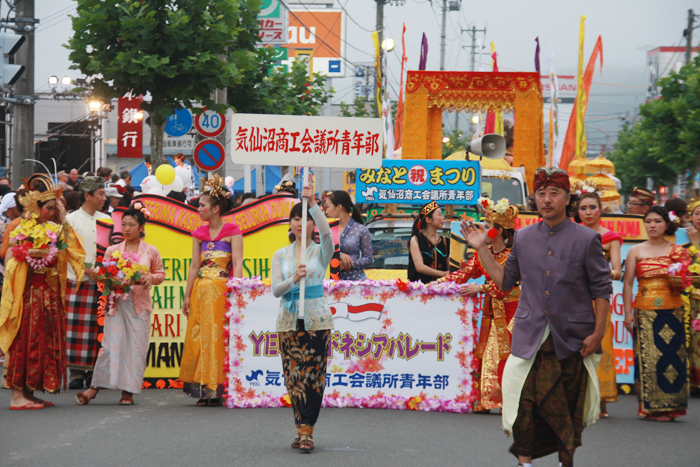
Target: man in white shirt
x=82 y=302
x=190 y=185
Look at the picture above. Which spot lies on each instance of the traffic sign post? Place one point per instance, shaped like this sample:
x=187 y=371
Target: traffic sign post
x=210 y=123
x=209 y=155
x=179 y=123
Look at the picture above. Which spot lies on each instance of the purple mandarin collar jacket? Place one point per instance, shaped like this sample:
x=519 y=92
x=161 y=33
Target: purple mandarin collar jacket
x=562 y=270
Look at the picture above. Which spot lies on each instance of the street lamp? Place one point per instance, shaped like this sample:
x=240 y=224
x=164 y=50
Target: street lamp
x=388 y=44
x=66 y=80
x=445 y=139
x=53 y=81
x=475 y=119
x=94 y=104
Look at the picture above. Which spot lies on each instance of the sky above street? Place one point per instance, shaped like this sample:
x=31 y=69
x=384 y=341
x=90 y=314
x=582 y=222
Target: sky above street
x=628 y=27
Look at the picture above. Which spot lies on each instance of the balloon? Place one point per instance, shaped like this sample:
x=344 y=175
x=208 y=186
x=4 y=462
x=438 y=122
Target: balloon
x=165 y=174
x=148 y=183
x=183 y=174
x=177 y=185
x=158 y=190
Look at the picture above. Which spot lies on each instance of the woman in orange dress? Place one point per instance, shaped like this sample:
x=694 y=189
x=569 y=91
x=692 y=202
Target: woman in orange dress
x=493 y=347
x=657 y=321
x=589 y=211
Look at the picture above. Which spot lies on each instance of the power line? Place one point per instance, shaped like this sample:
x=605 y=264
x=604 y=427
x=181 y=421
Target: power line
x=53 y=24
x=351 y=18
x=329 y=30
x=48 y=18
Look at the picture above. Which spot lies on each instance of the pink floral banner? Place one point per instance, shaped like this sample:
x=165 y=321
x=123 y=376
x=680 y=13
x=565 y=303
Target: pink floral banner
x=396 y=345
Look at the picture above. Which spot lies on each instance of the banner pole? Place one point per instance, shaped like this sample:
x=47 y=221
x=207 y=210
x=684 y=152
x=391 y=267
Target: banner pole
x=302 y=256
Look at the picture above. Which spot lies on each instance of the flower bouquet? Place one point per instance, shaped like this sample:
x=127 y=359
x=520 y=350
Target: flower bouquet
x=117 y=276
x=36 y=243
x=686 y=274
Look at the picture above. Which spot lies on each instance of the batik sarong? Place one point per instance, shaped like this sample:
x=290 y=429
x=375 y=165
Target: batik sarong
x=82 y=327
x=660 y=361
x=551 y=409
x=694 y=347
x=36 y=360
x=304 y=359
x=606 y=370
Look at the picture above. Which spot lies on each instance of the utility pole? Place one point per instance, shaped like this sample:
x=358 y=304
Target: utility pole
x=688 y=33
x=380 y=30
x=472 y=65
x=443 y=36
x=23 y=128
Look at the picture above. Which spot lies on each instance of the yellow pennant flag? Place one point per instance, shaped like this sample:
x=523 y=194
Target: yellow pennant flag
x=378 y=65
x=581 y=144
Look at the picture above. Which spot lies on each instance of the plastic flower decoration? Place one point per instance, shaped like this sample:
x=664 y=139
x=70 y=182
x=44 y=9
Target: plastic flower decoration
x=486 y=203
x=502 y=206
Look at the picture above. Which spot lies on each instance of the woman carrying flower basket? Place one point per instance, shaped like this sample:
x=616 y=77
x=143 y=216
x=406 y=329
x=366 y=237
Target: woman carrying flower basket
x=32 y=316
x=589 y=211
x=127 y=272
x=657 y=322
x=217 y=255
x=304 y=339
x=495 y=336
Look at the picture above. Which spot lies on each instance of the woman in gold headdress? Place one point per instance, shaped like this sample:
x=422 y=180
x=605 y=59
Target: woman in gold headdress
x=217 y=254
x=694 y=348
x=32 y=317
x=429 y=252
x=493 y=347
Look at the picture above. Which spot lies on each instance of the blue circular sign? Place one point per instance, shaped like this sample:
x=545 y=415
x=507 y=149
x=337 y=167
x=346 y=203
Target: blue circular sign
x=209 y=155
x=179 y=123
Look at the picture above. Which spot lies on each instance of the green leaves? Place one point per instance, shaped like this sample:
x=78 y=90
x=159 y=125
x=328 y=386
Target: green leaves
x=665 y=141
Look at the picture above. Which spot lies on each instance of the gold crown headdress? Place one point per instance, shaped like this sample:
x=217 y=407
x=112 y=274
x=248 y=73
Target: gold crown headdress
x=31 y=199
x=216 y=188
x=694 y=203
x=501 y=213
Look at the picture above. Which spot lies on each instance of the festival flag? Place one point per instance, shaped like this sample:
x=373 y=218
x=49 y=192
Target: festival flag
x=553 y=111
x=581 y=98
x=537 y=55
x=494 y=120
x=386 y=116
x=568 y=149
x=402 y=90
x=378 y=66
x=423 y=53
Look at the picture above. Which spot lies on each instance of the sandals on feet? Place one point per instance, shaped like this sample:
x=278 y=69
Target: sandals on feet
x=295 y=443
x=126 y=399
x=306 y=444
x=201 y=403
x=215 y=402
x=82 y=399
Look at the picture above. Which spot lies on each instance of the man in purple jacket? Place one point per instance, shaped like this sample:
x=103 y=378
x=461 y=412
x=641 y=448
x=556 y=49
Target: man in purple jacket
x=550 y=388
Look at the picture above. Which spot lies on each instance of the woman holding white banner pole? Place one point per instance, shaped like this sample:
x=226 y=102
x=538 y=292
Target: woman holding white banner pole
x=304 y=322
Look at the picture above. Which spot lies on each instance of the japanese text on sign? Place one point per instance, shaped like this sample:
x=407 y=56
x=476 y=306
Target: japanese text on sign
x=257 y=139
x=305 y=141
x=450 y=182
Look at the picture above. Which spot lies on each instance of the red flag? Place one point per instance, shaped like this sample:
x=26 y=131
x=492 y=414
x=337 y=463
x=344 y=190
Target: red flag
x=398 y=128
x=567 y=152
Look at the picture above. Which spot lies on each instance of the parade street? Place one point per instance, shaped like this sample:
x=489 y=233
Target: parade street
x=164 y=428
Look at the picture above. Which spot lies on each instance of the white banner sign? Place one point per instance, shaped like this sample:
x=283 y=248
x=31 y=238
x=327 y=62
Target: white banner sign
x=391 y=348
x=306 y=141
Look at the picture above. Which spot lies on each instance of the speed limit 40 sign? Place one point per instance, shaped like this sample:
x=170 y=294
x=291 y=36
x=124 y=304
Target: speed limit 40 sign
x=210 y=123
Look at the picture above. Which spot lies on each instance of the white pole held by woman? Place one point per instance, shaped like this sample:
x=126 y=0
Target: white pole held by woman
x=302 y=257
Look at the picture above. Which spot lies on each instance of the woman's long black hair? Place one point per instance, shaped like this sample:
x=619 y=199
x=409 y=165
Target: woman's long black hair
x=661 y=211
x=420 y=223
x=343 y=199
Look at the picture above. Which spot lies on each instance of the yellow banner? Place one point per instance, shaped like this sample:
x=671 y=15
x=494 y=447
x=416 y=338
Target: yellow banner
x=581 y=99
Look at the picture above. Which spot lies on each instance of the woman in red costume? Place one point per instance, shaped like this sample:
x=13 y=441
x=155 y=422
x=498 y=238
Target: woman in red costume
x=32 y=316
x=589 y=211
x=493 y=347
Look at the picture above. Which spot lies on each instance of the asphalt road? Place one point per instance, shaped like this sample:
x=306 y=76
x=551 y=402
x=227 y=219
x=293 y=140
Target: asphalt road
x=165 y=428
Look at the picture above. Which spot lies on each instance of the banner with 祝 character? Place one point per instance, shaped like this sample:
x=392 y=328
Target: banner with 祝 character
x=130 y=126
x=420 y=181
x=395 y=345
x=306 y=141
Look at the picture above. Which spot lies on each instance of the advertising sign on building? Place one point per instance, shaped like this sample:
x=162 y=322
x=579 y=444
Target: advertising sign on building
x=323 y=31
x=419 y=182
x=130 y=127
x=273 y=22
x=306 y=141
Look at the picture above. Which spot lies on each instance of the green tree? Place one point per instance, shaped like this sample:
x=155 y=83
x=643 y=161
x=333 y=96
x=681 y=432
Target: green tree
x=458 y=142
x=665 y=141
x=359 y=108
x=293 y=92
x=177 y=51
